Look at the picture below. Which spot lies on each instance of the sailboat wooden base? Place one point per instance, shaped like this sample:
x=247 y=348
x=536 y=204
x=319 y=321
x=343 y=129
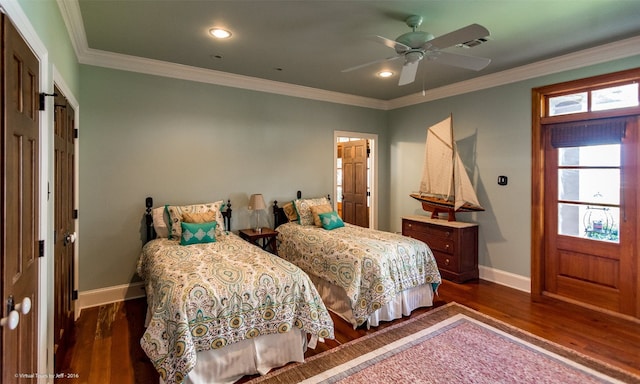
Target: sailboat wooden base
x=437 y=206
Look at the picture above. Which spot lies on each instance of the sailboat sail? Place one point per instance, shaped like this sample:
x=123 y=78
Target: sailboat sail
x=445 y=184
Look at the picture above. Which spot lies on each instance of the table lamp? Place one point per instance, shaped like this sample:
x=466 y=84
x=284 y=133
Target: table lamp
x=256 y=203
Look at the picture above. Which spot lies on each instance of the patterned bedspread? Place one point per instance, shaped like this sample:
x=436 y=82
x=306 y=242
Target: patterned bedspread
x=372 y=266
x=206 y=296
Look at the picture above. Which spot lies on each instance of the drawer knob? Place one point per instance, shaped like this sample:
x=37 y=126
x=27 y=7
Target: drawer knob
x=409 y=225
x=446 y=261
x=448 y=234
x=446 y=246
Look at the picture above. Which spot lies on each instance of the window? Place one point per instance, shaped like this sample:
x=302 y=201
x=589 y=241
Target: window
x=589 y=192
x=619 y=96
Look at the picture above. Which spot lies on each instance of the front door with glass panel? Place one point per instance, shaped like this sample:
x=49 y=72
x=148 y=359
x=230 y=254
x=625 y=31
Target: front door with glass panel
x=589 y=255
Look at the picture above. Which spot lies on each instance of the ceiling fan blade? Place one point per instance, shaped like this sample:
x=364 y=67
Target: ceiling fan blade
x=462 y=35
x=408 y=74
x=457 y=60
x=399 y=47
x=371 y=63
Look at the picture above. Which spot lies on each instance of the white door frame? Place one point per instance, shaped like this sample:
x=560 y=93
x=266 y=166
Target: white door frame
x=373 y=143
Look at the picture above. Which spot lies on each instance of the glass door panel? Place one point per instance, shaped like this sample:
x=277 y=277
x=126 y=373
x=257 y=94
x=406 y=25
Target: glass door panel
x=589 y=192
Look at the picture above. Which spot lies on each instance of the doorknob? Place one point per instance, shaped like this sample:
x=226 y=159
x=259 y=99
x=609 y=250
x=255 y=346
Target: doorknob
x=24 y=306
x=12 y=320
x=69 y=238
x=14 y=317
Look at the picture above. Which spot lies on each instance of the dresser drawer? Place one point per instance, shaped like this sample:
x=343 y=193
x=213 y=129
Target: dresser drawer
x=446 y=261
x=440 y=244
x=427 y=229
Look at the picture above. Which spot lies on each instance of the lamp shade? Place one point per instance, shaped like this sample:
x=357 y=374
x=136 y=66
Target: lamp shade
x=256 y=202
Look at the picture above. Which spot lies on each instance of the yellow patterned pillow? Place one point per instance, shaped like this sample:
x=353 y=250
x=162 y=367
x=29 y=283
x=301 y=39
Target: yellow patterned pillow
x=290 y=211
x=316 y=210
x=199 y=218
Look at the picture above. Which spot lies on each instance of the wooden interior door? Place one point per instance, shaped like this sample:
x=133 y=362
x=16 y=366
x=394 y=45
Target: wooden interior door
x=64 y=222
x=355 y=209
x=20 y=203
x=592 y=266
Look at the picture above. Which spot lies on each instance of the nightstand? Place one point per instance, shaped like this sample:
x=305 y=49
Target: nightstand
x=265 y=239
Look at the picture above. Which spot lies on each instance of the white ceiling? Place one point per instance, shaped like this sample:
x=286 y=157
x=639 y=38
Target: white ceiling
x=303 y=46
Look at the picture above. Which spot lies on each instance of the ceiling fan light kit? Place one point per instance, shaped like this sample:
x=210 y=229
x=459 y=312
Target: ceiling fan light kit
x=416 y=45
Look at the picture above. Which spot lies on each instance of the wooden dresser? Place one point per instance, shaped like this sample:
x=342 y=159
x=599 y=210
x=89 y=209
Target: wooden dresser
x=454 y=245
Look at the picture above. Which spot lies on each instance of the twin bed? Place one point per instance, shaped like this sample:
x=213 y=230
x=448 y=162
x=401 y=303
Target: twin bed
x=221 y=308
x=363 y=275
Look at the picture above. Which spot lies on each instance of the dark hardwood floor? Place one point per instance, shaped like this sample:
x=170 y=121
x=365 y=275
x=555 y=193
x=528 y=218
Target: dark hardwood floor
x=105 y=344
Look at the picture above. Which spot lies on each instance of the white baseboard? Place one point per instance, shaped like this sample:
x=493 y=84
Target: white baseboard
x=95 y=297
x=519 y=282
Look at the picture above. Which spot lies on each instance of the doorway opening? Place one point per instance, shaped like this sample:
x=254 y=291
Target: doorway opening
x=355 y=175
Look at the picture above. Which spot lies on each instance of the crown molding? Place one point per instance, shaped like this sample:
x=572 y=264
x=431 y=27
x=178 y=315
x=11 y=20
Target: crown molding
x=185 y=72
x=72 y=17
x=70 y=10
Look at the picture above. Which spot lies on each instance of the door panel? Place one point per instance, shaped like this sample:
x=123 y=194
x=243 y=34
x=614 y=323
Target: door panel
x=20 y=210
x=588 y=266
x=64 y=222
x=355 y=209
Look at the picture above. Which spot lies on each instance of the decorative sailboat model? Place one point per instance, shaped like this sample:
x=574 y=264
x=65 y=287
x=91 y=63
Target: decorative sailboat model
x=445 y=185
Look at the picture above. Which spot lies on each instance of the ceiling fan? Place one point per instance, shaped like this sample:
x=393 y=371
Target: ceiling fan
x=417 y=45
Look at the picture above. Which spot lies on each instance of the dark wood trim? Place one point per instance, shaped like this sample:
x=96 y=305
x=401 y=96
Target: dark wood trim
x=539 y=112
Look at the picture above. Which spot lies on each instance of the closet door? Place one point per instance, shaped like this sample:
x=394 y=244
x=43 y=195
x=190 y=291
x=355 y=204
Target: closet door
x=20 y=210
x=64 y=154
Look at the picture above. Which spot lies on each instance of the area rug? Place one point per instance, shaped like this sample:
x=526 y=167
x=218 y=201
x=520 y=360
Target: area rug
x=450 y=344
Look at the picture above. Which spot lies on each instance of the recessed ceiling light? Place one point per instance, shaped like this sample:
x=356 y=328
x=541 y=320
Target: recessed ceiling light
x=220 y=33
x=385 y=74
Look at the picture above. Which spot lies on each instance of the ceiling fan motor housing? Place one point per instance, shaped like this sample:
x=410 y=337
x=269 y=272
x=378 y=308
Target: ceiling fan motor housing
x=414 y=40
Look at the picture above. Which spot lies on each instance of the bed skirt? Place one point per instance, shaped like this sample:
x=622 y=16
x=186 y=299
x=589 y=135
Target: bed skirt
x=336 y=300
x=248 y=357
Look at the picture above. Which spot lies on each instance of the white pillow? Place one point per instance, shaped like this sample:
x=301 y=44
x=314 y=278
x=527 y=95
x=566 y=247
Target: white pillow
x=160 y=221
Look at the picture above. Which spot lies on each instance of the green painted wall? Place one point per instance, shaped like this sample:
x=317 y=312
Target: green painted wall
x=492 y=128
x=44 y=16
x=185 y=142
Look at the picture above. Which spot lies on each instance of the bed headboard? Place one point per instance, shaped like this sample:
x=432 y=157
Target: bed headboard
x=151 y=233
x=278 y=213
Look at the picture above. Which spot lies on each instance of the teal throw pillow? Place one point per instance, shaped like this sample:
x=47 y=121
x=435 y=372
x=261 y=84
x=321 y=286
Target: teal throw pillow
x=197 y=233
x=331 y=220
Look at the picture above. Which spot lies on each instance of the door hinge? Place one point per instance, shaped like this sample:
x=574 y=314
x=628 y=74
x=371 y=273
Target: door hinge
x=40 y=248
x=42 y=99
x=74 y=294
x=75 y=214
x=76 y=133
